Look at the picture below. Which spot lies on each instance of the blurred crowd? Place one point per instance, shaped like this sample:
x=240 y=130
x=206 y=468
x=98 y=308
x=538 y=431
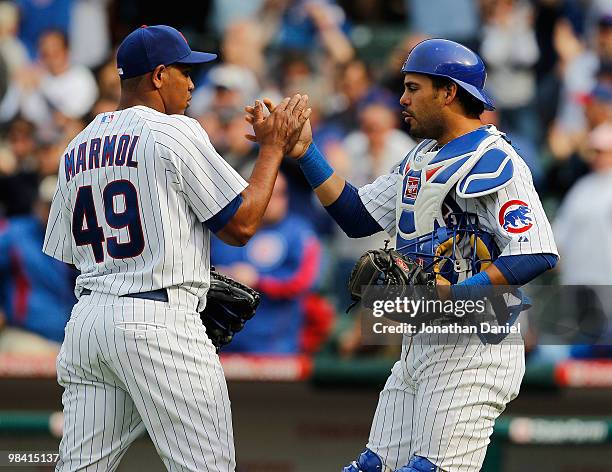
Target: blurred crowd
x=549 y=70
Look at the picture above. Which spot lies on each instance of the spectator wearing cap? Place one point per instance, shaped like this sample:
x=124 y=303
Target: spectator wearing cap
x=36 y=291
x=598 y=105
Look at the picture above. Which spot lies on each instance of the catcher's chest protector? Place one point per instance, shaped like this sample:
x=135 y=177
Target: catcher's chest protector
x=430 y=175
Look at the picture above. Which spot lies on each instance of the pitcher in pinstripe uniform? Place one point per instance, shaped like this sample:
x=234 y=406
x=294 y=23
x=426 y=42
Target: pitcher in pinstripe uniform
x=140 y=190
x=462 y=202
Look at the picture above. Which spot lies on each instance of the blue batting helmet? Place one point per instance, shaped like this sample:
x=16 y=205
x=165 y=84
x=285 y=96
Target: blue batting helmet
x=444 y=58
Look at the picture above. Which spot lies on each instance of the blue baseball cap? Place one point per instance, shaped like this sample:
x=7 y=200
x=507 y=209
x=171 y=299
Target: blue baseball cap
x=150 y=46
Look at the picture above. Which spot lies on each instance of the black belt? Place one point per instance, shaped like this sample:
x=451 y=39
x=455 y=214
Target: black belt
x=160 y=295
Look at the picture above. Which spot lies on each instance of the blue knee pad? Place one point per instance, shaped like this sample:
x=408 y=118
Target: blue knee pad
x=368 y=461
x=418 y=464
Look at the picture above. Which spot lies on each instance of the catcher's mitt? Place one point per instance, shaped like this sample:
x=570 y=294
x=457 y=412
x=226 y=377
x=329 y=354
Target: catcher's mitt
x=229 y=305
x=386 y=267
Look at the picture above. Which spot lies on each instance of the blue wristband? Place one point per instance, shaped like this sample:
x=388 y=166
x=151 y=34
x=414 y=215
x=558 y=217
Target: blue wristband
x=314 y=166
x=471 y=287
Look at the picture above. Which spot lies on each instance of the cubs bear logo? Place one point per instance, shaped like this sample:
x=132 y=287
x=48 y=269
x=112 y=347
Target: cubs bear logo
x=513 y=216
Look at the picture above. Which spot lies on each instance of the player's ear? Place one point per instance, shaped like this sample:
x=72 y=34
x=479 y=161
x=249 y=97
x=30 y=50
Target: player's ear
x=450 y=92
x=157 y=76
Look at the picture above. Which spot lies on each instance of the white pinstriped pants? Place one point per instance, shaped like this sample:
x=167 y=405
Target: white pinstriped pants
x=129 y=365
x=442 y=399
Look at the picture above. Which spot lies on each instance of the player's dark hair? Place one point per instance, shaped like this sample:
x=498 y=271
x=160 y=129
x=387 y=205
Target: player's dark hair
x=131 y=84
x=472 y=107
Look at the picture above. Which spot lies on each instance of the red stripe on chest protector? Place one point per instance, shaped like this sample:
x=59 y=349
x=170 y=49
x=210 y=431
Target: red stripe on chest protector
x=431 y=172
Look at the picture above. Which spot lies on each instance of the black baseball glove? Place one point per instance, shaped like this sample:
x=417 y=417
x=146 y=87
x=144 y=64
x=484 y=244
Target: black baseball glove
x=386 y=268
x=229 y=305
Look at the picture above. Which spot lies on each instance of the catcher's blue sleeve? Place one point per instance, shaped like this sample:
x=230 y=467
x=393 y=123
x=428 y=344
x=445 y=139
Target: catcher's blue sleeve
x=520 y=269
x=517 y=270
x=351 y=214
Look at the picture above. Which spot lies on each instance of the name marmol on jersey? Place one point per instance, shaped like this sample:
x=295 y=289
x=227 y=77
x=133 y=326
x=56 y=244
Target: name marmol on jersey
x=94 y=154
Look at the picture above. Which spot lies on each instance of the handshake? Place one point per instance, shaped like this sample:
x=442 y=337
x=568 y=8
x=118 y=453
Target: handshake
x=285 y=126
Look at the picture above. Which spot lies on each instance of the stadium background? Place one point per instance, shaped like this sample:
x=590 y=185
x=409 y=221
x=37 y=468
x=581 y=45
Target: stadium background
x=303 y=396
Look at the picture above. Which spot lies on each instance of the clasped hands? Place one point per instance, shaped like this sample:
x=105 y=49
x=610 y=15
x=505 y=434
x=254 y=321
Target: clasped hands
x=285 y=125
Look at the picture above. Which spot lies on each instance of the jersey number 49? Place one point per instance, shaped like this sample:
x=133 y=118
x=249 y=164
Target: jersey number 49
x=92 y=234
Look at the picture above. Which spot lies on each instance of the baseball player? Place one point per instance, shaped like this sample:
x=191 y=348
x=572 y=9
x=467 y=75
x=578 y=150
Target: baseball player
x=140 y=190
x=439 y=405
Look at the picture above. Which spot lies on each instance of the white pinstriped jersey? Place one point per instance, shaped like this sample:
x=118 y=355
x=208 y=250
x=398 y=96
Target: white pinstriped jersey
x=380 y=199
x=134 y=188
x=444 y=394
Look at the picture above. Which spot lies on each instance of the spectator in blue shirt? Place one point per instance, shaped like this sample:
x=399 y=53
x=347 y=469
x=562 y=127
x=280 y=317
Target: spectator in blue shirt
x=282 y=262
x=36 y=291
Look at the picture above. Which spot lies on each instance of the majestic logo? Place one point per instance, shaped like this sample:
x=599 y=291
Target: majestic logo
x=412 y=187
x=419 y=157
x=513 y=216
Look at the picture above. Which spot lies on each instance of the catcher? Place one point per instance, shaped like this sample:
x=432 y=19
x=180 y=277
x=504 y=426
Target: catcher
x=462 y=205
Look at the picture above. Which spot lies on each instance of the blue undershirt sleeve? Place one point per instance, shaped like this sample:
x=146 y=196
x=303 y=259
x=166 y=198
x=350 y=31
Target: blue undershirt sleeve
x=517 y=270
x=523 y=268
x=351 y=214
x=220 y=219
